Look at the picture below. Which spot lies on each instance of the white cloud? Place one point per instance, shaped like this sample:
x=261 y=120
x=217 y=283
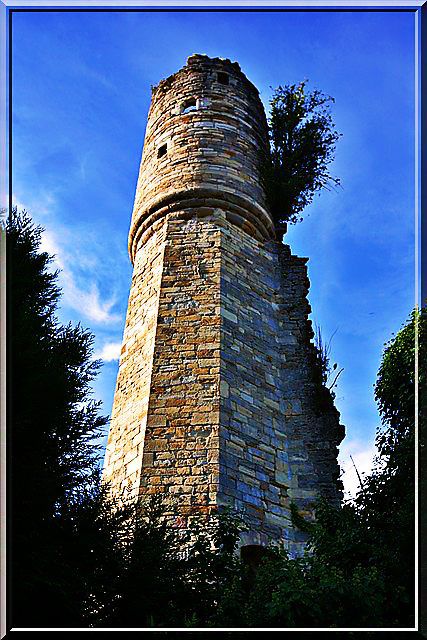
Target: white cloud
x=41 y=205
x=363 y=454
x=84 y=298
x=49 y=245
x=109 y=352
x=88 y=302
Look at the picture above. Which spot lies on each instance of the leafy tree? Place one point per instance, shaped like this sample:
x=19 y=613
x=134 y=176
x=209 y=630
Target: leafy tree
x=53 y=424
x=302 y=145
x=54 y=420
x=387 y=499
x=172 y=577
x=305 y=592
x=150 y=584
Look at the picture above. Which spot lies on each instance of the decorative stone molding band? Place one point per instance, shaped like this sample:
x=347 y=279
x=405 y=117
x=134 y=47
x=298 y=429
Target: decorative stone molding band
x=199 y=202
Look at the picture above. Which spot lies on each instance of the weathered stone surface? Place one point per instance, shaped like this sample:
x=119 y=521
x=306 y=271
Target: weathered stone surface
x=214 y=403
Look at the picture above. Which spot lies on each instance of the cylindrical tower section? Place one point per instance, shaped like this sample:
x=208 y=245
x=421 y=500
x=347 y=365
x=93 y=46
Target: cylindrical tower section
x=205 y=141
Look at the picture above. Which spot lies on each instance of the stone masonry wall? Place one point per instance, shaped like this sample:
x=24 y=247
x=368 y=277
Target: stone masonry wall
x=123 y=458
x=274 y=448
x=312 y=418
x=216 y=402
x=181 y=448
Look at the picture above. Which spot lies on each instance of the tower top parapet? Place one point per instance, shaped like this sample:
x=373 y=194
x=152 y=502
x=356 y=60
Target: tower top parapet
x=204 y=145
x=203 y=62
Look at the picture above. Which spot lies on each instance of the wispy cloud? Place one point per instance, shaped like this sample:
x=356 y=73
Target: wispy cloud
x=81 y=292
x=42 y=204
x=96 y=76
x=89 y=301
x=363 y=453
x=109 y=352
x=85 y=299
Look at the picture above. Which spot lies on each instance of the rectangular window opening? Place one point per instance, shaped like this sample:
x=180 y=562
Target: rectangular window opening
x=162 y=151
x=222 y=77
x=189 y=105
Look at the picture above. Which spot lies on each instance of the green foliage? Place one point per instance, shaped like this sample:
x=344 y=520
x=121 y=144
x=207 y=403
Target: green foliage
x=324 y=375
x=53 y=423
x=395 y=386
x=81 y=560
x=92 y=538
x=387 y=501
x=174 y=577
x=302 y=141
x=377 y=531
x=304 y=592
x=298 y=522
x=150 y=573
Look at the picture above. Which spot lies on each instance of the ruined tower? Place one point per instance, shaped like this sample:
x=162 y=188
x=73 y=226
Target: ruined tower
x=217 y=399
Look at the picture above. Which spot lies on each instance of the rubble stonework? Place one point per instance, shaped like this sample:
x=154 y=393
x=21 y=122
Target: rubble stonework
x=215 y=403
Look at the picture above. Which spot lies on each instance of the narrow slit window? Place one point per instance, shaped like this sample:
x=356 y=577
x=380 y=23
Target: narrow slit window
x=189 y=105
x=223 y=78
x=162 y=151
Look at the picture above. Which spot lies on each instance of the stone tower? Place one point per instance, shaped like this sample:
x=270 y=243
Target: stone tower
x=216 y=400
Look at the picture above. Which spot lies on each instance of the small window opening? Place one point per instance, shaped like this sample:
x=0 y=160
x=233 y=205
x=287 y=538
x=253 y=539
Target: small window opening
x=162 y=151
x=190 y=105
x=223 y=78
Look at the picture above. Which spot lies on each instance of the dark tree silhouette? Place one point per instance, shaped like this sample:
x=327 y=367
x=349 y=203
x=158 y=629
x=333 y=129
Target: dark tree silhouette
x=53 y=424
x=387 y=500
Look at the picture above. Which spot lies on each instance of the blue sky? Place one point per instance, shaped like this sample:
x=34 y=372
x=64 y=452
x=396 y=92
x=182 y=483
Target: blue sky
x=81 y=93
